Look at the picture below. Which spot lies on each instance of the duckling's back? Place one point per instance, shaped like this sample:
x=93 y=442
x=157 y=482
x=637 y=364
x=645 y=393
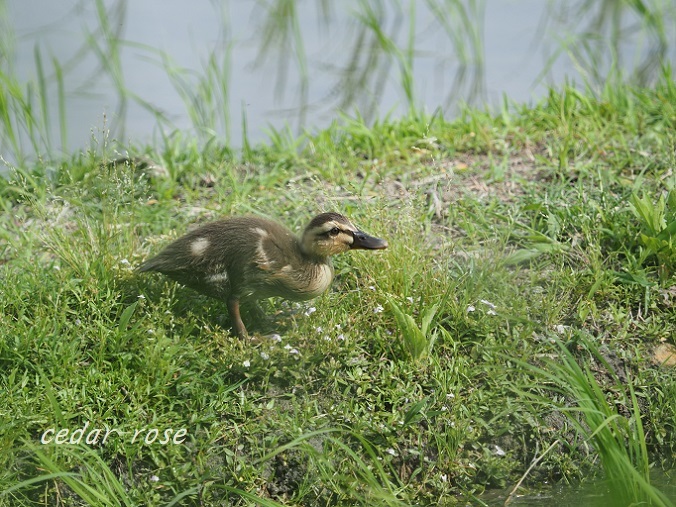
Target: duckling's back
x=224 y=258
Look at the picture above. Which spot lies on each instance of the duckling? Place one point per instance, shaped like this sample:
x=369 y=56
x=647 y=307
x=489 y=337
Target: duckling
x=250 y=258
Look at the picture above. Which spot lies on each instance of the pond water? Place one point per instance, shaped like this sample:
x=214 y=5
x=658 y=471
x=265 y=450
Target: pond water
x=588 y=494
x=137 y=69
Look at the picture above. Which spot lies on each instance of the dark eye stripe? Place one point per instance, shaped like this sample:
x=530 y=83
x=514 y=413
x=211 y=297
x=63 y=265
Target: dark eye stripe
x=332 y=232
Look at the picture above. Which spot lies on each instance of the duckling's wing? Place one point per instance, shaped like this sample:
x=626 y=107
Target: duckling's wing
x=201 y=260
x=175 y=257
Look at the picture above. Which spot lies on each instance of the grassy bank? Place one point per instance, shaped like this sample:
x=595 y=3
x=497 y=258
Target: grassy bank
x=530 y=244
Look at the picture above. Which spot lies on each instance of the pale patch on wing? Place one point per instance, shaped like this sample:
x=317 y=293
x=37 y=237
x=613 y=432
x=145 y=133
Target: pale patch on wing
x=287 y=269
x=199 y=246
x=218 y=277
x=261 y=257
x=261 y=232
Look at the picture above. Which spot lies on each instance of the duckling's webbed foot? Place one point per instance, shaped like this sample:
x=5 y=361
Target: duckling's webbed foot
x=236 y=318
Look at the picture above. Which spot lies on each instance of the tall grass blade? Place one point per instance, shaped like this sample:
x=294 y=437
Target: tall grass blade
x=246 y=146
x=97 y=485
x=618 y=440
x=61 y=101
x=7 y=111
x=44 y=98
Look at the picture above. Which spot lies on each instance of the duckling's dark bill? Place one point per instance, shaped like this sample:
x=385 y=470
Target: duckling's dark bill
x=365 y=242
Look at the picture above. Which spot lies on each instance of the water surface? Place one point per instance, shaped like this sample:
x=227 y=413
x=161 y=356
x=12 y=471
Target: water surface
x=206 y=67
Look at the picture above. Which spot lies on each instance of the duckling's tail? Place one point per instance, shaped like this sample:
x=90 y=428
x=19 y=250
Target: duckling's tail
x=152 y=264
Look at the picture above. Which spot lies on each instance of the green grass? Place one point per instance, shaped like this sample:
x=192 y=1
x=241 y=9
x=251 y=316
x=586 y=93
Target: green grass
x=397 y=387
x=619 y=439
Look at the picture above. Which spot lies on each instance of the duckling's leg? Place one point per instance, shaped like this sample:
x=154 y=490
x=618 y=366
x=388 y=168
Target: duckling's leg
x=233 y=310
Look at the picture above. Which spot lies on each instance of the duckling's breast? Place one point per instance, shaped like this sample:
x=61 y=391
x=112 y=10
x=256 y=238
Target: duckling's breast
x=316 y=283
x=294 y=282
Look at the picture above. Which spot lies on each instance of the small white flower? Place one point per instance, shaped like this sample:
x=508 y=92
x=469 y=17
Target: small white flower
x=141 y=296
x=154 y=478
x=287 y=347
x=391 y=452
x=488 y=304
x=378 y=309
x=246 y=363
x=265 y=356
x=294 y=352
x=559 y=328
x=491 y=312
x=409 y=299
x=276 y=338
x=498 y=451
x=310 y=311
x=338 y=326
x=470 y=308
x=151 y=331
x=319 y=329
x=327 y=338
x=340 y=337
x=125 y=262
x=444 y=478
x=371 y=287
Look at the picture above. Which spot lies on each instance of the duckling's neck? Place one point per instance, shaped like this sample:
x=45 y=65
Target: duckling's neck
x=305 y=246
x=315 y=259
x=304 y=277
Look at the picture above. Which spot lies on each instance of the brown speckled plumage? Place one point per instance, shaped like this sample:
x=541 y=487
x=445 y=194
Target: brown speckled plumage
x=240 y=258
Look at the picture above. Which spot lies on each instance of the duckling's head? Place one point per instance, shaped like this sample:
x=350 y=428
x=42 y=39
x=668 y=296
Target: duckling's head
x=331 y=233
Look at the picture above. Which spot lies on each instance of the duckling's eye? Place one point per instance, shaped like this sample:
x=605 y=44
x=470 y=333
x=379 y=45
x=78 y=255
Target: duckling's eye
x=334 y=232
